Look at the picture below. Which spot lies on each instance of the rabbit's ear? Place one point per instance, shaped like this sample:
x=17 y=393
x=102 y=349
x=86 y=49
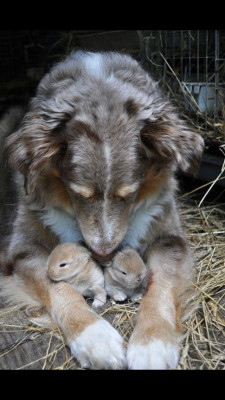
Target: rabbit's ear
x=118 y=258
x=107 y=264
x=112 y=263
x=81 y=259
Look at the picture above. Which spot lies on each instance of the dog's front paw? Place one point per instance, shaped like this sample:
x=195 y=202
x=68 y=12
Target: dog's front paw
x=155 y=355
x=99 y=346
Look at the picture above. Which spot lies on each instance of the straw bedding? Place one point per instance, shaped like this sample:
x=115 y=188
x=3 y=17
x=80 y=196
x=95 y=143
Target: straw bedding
x=204 y=345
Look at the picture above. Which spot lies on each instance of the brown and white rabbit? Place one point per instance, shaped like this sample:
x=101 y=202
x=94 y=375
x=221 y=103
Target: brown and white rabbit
x=126 y=276
x=72 y=263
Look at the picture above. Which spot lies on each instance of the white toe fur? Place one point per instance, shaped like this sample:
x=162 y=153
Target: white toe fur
x=155 y=355
x=99 y=346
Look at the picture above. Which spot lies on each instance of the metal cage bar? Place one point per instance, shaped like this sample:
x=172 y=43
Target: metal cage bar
x=191 y=64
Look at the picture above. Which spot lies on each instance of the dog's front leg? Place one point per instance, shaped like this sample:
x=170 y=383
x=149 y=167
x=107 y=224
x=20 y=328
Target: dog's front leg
x=92 y=340
x=154 y=343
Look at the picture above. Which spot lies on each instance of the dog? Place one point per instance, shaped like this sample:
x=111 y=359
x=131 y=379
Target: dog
x=95 y=160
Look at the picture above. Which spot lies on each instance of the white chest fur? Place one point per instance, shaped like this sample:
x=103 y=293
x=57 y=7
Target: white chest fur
x=64 y=226
x=142 y=217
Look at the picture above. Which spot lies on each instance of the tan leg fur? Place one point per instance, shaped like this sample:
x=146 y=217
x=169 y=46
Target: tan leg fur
x=154 y=343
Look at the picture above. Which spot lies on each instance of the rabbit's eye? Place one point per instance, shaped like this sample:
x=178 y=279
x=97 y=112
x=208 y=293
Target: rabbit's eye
x=62 y=265
x=123 y=272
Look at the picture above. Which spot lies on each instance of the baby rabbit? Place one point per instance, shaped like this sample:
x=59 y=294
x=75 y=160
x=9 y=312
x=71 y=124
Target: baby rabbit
x=125 y=276
x=72 y=263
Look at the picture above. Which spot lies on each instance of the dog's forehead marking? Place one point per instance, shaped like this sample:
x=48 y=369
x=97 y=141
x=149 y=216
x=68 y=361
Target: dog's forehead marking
x=93 y=64
x=107 y=222
x=108 y=158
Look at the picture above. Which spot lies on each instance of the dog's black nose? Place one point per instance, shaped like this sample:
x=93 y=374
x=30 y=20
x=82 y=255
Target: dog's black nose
x=103 y=257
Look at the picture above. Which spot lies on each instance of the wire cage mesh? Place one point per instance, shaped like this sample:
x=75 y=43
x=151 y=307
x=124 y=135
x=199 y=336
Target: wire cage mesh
x=191 y=65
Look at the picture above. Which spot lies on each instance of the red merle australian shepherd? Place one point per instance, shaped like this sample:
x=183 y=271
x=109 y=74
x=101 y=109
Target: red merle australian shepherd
x=95 y=158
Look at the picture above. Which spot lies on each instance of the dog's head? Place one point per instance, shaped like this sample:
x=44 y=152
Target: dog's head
x=98 y=137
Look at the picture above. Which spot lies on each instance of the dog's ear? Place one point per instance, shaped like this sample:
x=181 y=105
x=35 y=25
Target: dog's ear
x=171 y=140
x=36 y=146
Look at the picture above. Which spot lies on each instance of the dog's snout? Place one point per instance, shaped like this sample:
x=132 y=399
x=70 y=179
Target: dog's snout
x=102 y=250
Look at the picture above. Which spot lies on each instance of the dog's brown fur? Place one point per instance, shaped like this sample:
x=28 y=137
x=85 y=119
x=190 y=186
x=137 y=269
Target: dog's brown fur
x=99 y=123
